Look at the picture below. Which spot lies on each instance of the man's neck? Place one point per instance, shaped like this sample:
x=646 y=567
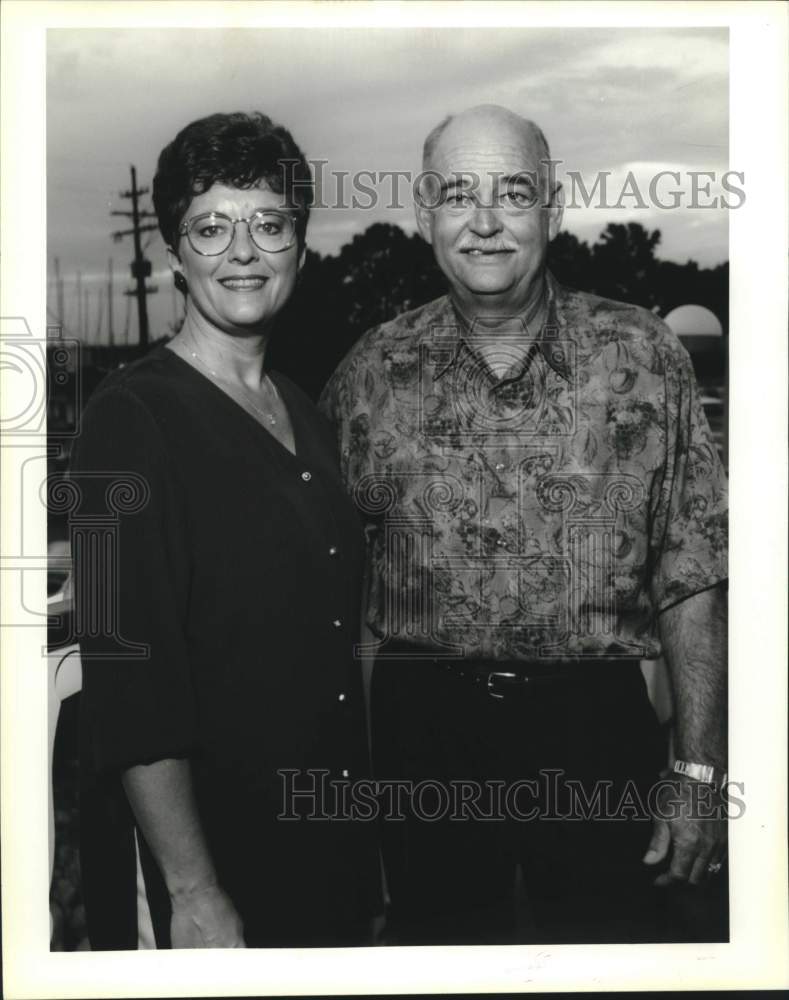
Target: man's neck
x=501 y=338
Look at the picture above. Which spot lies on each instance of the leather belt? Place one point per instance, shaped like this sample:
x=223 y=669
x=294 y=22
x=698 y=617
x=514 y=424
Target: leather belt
x=497 y=681
x=497 y=678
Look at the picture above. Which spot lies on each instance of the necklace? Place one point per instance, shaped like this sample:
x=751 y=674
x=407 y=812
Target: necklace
x=265 y=414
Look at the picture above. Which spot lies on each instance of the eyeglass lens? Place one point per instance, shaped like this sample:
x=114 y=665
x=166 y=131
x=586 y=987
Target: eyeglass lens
x=213 y=233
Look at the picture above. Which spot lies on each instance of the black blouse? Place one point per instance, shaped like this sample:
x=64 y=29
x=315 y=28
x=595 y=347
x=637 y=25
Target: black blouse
x=235 y=572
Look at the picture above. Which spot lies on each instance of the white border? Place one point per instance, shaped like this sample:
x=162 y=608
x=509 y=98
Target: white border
x=757 y=956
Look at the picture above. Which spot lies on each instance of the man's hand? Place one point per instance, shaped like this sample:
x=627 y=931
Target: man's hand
x=205 y=918
x=691 y=821
x=694 y=832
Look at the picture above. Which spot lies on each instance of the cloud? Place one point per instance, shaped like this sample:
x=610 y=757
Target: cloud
x=611 y=99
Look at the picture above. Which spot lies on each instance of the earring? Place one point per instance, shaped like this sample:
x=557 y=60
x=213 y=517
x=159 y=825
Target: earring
x=180 y=282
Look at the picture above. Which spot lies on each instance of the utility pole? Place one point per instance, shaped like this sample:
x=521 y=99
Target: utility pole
x=110 y=331
x=59 y=291
x=81 y=333
x=141 y=268
x=100 y=316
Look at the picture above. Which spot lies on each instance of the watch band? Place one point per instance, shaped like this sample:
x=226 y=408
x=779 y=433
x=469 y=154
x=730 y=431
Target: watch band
x=705 y=773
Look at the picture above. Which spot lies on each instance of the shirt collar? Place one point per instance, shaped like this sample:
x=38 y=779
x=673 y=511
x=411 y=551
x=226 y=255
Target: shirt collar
x=545 y=340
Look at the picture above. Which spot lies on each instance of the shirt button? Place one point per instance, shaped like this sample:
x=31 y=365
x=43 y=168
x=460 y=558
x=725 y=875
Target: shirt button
x=341 y=696
x=337 y=623
x=334 y=551
x=306 y=476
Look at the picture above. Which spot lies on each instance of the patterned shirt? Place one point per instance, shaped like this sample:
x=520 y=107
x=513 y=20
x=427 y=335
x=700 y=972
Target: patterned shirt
x=549 y=513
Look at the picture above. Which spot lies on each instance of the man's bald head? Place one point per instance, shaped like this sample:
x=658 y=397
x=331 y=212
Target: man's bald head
x=479 y=120
x=488 y=205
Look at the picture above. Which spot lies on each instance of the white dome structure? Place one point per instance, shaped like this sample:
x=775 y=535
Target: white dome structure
x=694 y=321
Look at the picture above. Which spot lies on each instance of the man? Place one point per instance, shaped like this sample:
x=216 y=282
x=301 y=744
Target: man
x=546 y=508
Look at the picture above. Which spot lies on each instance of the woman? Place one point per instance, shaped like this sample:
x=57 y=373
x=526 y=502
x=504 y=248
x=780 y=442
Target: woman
x=230 y=684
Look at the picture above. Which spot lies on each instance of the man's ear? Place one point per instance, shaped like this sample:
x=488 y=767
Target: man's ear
x=555 y=211
x=424 y=222
x=425 y=200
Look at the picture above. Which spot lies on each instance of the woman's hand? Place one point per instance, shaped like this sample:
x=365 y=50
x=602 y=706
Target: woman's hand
x=164 y=806
x=205 y=918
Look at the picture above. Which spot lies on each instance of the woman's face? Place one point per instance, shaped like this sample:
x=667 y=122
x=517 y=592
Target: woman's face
x=242 y=289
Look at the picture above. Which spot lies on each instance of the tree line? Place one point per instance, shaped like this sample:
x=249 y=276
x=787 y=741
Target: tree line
x=384 y=271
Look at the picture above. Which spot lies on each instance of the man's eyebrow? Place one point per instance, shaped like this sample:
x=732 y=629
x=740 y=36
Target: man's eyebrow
x=471 y=182
x=457 y=180
x=522 y=177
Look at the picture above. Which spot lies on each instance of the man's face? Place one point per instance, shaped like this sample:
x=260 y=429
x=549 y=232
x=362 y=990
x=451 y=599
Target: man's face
x=489 y=231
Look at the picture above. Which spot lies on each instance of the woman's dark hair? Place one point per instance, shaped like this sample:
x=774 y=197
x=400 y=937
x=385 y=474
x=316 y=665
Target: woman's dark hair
x=238 y=150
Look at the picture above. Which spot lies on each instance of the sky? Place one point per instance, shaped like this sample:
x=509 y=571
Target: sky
x=626 y=100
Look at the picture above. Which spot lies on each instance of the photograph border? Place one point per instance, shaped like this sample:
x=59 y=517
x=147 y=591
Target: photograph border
x=756 y=956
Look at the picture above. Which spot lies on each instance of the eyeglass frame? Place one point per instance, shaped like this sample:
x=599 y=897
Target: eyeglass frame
x=183 y=229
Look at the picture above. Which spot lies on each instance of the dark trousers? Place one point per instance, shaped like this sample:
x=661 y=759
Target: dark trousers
x=494 y=870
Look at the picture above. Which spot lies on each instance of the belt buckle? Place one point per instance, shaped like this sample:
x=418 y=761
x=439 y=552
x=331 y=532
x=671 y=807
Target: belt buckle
x=489 y=685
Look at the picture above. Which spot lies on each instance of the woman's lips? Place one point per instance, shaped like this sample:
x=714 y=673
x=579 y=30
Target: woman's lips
x=243 y=284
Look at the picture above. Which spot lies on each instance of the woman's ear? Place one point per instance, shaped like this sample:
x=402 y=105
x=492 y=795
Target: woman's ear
x=178 y=271
x=174 y=261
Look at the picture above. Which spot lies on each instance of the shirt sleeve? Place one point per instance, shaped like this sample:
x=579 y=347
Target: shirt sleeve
x=131 y=588
x=689 y=536
x=327 y=402
x=335 y=403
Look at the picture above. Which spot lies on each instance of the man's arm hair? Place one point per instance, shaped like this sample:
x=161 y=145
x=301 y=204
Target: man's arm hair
x=694 y=637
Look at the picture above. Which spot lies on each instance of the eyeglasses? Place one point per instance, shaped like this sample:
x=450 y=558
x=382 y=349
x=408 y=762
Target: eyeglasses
x=212 y=233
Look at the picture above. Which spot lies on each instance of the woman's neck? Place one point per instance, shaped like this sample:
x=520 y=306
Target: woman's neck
x=235 y=358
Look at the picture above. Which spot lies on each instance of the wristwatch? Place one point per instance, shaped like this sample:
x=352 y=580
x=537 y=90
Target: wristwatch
x=705 y=773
